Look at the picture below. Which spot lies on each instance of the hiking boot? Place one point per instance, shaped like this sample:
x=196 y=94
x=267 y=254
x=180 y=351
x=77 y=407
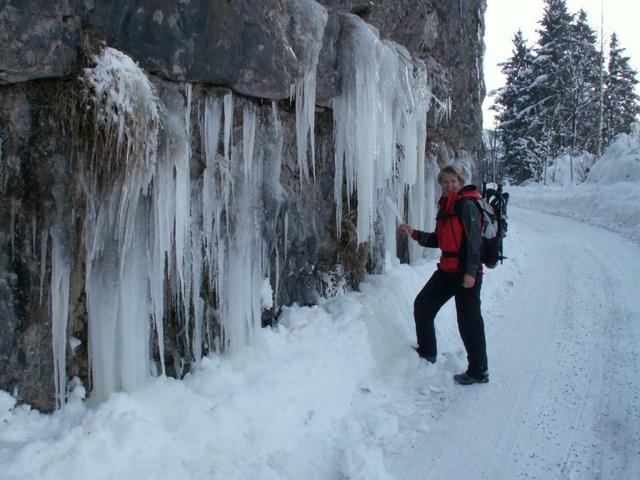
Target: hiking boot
x=428 y=358
x=468 y=379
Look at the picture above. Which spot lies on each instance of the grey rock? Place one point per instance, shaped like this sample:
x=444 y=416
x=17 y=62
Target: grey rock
x=38 y=39
x=246 y=45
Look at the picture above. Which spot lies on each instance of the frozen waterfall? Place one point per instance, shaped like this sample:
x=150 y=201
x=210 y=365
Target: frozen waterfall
x=380 y=134
x=183 y=198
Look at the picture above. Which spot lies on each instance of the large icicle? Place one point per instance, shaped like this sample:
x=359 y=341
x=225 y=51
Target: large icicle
x=60 y=272
x=309 y=19
x=379 y=131
x=116 y=183
x=243 y=274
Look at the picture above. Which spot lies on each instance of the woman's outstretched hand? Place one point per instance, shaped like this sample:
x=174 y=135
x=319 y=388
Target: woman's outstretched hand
x=405 y=229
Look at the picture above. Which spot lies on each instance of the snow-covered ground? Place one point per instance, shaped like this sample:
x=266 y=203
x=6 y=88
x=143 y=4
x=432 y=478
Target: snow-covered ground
x=336 y=392
x=610 y=197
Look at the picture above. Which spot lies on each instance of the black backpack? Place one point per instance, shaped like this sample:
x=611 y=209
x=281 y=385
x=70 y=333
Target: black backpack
x=493 y=209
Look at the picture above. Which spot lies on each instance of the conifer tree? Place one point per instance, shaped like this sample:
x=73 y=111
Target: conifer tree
x=513 y=106
x=558 y=97
x=583 y=95
x=552 y=70
x=621 y=106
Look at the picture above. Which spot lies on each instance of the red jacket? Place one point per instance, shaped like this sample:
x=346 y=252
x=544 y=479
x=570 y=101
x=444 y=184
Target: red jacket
x=457 y=232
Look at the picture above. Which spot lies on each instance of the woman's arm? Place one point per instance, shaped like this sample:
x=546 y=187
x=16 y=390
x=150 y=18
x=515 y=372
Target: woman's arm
x=426 y=239
x=470 y=218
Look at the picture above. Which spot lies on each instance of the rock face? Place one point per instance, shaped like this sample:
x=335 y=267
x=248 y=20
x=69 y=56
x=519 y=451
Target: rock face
x=38 y=40
x=195 y=51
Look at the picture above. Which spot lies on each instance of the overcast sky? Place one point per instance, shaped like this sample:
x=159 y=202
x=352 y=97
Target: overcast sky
x=504 y=17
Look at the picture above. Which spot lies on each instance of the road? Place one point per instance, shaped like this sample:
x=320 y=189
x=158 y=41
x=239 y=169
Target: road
x=563 y=335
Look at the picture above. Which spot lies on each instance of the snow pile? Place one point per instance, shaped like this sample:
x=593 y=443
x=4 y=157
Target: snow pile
x=319 y=396
x=126 y=105
x=610 y=198
x=621 y=161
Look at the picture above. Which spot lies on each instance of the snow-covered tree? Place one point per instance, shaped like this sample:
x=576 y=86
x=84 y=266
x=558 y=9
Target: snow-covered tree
x=513 y=104
x=553 y=76
x=583 y=95
x=621 y=106
x=558 y=98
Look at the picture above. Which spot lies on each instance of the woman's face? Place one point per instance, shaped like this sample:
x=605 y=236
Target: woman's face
x=450 y=183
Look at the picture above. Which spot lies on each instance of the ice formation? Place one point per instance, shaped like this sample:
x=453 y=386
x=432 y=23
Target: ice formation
x=154 y=228
x=380 y=134
x=200 y=237
x=309 y=20
x=60 y=272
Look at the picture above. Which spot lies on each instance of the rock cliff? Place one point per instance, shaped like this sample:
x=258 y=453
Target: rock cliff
x=175 y=171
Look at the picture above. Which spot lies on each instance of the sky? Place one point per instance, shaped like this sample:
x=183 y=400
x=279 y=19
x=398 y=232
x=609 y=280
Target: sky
x=336 y=392
x=504 y=17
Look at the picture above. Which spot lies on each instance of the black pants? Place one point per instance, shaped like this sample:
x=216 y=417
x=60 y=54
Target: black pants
x=438 y=290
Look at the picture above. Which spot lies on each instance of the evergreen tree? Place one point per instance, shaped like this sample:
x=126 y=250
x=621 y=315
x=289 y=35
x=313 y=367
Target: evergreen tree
x=621 y=106
x=554 y=95
x=513 y=106
x=553 y=77
x=583 y=95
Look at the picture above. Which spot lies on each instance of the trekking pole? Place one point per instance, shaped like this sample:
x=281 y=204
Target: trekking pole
x=500 y=214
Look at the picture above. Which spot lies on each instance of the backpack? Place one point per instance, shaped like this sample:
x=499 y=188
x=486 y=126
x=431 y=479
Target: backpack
x=493 y=208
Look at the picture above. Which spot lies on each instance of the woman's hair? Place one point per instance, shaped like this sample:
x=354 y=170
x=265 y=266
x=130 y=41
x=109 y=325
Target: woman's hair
x=451 y=170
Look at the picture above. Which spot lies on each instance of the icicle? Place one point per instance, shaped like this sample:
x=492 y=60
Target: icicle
x=34 y=235
x=286 y=234
x=43 y=260
x=228 y=125
x=244 y=267
x=117 y=225
x=211 y=198
x=133 y=357
x=248 y=138
x=198 y=244
x=381 y=110
x=163 y=214
x=356 y=123
x=60 y=272
x=14 y=209
x=309 y=20
x=182 y=172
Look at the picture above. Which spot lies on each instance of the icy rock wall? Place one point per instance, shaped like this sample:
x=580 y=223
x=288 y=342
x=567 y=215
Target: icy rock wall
x=448 y=36
x=150 y=251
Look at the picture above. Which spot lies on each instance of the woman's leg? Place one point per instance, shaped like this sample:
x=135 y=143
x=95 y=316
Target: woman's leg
x=425 y=307
x=471 y=326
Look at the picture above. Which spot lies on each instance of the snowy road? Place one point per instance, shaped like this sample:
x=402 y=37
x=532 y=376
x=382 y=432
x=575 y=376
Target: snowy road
x=564 y=344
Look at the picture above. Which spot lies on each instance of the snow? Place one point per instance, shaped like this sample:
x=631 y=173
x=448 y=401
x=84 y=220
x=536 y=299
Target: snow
x=335 y=391
x=610 y=198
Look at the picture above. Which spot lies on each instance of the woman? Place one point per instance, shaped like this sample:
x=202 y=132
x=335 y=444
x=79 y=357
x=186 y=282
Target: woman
x=459 y=274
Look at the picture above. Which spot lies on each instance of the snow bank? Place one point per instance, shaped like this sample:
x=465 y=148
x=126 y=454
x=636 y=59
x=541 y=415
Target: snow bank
x=568 y=170
x=316 y=397
x=610 y=198
x=621 y=160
